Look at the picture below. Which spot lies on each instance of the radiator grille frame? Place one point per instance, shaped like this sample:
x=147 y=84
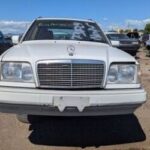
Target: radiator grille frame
x=72 y=62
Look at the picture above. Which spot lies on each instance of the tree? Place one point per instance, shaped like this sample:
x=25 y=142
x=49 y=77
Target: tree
x=147 y=28
x=127 y=31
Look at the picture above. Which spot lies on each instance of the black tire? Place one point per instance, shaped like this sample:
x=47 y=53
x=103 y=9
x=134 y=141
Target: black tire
x=23 y=118
x=133 y=53
x=148 y=47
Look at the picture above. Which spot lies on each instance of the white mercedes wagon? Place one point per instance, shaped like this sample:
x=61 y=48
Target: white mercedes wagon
x=67 y=67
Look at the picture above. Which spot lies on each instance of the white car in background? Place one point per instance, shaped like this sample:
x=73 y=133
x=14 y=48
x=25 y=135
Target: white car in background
x=67 y=67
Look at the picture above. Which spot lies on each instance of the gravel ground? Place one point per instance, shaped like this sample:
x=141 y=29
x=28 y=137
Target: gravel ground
x=128 y=132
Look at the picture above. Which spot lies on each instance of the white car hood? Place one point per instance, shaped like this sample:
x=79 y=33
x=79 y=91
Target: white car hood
x=33 y=51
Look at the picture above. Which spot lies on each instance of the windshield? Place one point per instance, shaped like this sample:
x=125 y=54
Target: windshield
x=117 y=36
x=64 y=30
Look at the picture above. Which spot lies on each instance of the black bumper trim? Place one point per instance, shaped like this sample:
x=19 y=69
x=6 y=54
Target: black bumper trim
x=53 y=111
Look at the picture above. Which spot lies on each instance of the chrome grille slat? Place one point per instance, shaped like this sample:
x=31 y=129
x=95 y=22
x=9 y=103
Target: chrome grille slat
x=70 y=80
x=71 y=74
x=68 y=74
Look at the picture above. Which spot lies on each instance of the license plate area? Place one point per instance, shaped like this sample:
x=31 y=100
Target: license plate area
x=67 y=101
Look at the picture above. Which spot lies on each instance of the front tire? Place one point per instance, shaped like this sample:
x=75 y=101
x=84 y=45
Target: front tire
x=148 y=47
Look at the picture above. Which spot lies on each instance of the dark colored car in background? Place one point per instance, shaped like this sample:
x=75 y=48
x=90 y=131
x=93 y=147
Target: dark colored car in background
x=124 y=43
x=5 y=43
x=144 y=38
x=133 y=35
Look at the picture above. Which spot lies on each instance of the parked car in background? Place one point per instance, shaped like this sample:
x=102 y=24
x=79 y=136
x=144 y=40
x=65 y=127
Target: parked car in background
x=123 y=42
x=148 y=44
x=133 y=35
x=67 y=67
x=8 y=39
x=5 y=43
x=144 y=38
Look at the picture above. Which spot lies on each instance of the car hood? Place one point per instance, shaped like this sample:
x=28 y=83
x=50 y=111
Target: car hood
x=33 y=51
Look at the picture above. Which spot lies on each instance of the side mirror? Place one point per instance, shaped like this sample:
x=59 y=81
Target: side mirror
x=15 y=39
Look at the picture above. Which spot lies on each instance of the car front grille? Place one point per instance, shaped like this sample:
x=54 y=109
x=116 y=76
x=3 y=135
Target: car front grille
x=70 y=74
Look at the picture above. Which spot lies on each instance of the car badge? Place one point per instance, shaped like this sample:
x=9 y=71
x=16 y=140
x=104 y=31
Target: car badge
x=71 y=50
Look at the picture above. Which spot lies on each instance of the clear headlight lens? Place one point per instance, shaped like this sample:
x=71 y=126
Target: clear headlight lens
x=14 y=71
x=123 y=74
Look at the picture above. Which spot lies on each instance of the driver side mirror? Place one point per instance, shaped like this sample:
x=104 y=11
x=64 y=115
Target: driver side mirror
x=15 y=39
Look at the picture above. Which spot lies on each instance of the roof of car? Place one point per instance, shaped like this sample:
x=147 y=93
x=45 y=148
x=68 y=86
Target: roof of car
x=71 y=19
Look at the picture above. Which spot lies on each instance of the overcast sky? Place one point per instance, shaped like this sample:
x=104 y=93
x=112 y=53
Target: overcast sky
x=16 y=15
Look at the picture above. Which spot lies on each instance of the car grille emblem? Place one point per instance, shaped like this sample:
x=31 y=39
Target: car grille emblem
x=71 y=50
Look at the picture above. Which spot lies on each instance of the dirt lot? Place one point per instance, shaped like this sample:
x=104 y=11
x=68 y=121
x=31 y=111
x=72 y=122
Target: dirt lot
x=113 y=132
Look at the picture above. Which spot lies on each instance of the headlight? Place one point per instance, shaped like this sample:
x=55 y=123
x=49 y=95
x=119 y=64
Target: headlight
x=123 y=74
x=16 y=71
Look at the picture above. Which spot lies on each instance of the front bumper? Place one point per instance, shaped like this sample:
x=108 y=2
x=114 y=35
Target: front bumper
x=42 y=102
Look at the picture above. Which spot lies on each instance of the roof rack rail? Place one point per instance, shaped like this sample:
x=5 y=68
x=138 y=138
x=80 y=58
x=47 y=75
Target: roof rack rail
x=92 y=20
x=39 y=17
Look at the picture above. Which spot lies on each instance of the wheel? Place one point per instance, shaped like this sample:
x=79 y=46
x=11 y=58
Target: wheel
x=133 y=53
x=148 y=47
x=23 y=118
